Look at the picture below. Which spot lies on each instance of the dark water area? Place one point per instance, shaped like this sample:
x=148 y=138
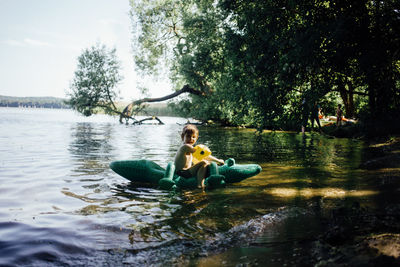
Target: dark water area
x=61 y=205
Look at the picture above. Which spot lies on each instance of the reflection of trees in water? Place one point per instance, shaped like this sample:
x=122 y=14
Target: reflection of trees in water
x=232 y=143
x=311 y=161
x=324 y=162
x=90 y=147
x=152 y=142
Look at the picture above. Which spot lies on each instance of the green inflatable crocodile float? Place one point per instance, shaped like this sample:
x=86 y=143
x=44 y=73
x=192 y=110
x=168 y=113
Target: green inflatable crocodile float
x=147 y=171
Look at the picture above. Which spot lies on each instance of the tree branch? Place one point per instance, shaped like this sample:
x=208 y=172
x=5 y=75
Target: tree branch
x=149 y=119
x=126 y=113
x=185 y=89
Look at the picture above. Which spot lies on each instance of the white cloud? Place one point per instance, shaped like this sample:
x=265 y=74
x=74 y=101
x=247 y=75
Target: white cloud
x=26 y=42
x=52 y=34
x=13 y=43
x=36 y=42
x=110 y=22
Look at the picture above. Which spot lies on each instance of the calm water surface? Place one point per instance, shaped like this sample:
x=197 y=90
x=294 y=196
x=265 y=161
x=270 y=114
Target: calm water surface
x=61 y=205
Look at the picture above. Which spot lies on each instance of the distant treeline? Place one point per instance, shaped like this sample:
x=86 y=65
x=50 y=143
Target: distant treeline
x=156 y=109
x=32 y=102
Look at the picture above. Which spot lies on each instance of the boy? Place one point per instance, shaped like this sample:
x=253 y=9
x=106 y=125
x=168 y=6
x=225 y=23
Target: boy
x=183 y=158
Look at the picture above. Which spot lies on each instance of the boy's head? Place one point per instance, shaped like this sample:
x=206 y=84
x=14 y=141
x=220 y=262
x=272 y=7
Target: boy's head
x=190 y=130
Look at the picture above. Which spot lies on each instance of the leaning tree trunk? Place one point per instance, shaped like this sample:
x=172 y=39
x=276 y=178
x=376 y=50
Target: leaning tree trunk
x=348 y=98
x=127 y=112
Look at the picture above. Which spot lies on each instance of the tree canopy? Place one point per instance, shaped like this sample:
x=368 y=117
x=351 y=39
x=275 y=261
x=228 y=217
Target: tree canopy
x=255 y=61
x=95 y=81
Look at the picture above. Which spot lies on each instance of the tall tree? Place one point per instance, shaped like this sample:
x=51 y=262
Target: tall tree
x=95 y=81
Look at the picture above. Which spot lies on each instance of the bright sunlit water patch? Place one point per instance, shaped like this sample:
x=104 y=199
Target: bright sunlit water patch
x=320 y=192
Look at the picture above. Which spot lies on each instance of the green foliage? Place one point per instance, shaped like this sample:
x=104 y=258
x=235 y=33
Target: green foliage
x=95 y=79
x=257 y=60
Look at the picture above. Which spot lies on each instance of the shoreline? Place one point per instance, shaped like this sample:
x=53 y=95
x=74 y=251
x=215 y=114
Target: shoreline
x=359 y=236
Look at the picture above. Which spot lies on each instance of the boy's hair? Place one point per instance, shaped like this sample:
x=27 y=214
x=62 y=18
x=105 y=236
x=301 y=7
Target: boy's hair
x=189 y=129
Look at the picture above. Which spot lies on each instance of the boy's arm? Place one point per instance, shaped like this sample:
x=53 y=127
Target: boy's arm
x=219 y=161
x=188 y=148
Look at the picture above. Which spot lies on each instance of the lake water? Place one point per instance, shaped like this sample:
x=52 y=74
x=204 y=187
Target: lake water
x=61 y=205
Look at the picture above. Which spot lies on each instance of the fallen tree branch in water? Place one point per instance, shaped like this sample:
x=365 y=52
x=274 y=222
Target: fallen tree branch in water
x=148 y=119
x=127 y=112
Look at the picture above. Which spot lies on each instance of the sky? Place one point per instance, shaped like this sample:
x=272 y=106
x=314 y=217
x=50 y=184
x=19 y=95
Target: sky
x=40 y=41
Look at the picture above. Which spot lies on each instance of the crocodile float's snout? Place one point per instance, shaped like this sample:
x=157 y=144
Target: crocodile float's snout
x=235 y=173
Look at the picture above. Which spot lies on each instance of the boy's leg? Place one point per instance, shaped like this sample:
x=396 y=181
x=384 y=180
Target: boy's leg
x=199 y=170
x=201 y=175
x=195 y=168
